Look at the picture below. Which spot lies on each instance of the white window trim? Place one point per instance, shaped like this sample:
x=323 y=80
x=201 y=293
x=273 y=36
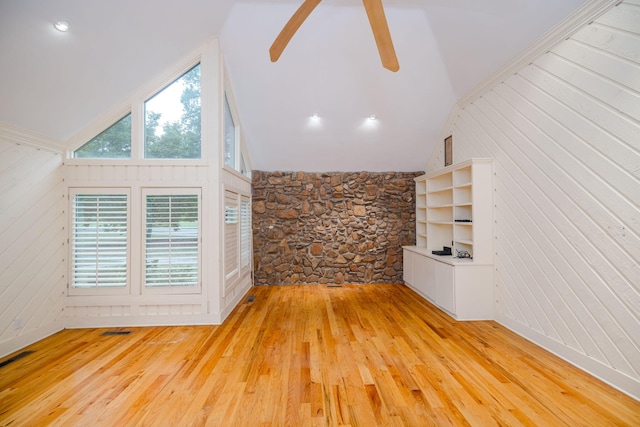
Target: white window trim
x=143 y=142
x=135 y=107
x=169 y=290
x=124 y=290
x=115 y=122
x=227 y=101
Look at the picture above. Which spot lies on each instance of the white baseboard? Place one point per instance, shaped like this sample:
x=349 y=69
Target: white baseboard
x=240 y=295
x=616 y=379
x=133 y=321
x=14 y=344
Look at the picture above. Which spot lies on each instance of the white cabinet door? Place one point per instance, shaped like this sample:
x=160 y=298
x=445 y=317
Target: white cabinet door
x=408 y=261
x=474 y=292
x=430 y=278
x=445 y=289
x=464 y=291
x=421 y=274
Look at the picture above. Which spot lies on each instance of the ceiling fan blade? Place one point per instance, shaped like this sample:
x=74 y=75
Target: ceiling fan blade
x=290 y=28
x=380 y=28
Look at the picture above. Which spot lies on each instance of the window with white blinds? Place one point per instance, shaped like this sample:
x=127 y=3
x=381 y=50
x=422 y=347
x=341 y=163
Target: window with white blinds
x=99 y=239
x=172 y=239
x=230 y=233
x=245 y=232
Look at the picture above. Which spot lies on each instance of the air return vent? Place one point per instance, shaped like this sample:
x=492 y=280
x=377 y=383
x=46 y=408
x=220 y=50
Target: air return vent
x=15 y=358
x=115 y=333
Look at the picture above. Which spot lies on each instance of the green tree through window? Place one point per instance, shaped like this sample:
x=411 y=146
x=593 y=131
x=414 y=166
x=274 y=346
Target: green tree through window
x=170 y=137
x=113 y=143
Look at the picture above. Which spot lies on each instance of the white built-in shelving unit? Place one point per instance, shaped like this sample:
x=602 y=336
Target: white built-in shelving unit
x=454 y=208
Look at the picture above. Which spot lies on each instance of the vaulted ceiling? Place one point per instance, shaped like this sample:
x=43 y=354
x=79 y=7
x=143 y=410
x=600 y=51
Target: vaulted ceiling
x=56 y=84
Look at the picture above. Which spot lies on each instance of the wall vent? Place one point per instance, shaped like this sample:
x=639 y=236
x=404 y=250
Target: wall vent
x=115 y=333
x=15 y=358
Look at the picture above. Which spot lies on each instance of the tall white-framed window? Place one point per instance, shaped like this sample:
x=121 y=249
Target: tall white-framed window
x=173 y=119
x=230 y=145
x=245 y=232
x=99 y=241
x=231 y=231
x=172 y=240
x=244 y=170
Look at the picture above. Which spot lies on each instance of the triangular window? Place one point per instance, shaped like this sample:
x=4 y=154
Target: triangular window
x=113 y=143
x=229 y=136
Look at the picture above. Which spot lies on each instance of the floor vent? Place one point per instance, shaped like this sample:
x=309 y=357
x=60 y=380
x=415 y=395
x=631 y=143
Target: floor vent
x=15 y=358
x=334 y=286
x=115 y=333
x=252 y=298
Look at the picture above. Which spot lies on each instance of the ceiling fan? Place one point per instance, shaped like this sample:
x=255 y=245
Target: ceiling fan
x=377 y=19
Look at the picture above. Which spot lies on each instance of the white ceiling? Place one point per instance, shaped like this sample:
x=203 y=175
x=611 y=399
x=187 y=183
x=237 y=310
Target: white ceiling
x=57 y=84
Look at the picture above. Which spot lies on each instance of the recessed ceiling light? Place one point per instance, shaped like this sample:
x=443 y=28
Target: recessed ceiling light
x=315 y=116
x=373 y=117
x=62 y=26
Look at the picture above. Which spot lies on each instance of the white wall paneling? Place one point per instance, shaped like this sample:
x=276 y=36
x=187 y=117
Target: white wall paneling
x=210 y=306
x=138 y=307
x=564 y=131
x=33 y=250
x=34 y=216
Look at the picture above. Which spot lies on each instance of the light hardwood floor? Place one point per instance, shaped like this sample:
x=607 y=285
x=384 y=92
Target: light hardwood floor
x=361 y=355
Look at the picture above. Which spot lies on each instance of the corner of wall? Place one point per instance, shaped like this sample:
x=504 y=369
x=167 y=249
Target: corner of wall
x=24 y=137
x=561 y=126
x=21 y=341
x=436 y=161
x=32 y=228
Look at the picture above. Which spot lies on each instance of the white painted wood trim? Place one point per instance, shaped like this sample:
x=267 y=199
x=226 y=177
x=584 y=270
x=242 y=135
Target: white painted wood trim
x=232 y=304
x=615 y=379
x=31 y=139
x=141 y=320
x=19 y=342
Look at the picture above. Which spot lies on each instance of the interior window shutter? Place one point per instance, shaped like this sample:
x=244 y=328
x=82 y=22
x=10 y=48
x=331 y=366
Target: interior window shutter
x=172 y=240
x=99 y=240
x=230 y=233
x=245 y=232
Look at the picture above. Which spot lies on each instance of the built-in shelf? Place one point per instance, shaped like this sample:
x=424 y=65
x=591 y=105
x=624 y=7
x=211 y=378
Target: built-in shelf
x=454 y=208
x=458 y=192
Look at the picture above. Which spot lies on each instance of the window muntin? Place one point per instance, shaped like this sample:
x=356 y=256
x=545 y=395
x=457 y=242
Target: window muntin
x=229 y=136
x=173 y=120
x=112 y=143
x=99 y=239
x=172 y=240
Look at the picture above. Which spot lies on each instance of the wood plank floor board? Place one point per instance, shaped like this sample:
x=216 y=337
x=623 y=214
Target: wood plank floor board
x=359 y=355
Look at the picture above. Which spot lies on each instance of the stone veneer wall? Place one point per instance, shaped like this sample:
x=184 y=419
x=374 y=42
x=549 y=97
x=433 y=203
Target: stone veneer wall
x=336 y=227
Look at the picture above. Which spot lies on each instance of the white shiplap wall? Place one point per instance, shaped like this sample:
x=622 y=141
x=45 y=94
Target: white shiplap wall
x=565 y=135
x=32 y=243
x=135 y=307
x=35 y=178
